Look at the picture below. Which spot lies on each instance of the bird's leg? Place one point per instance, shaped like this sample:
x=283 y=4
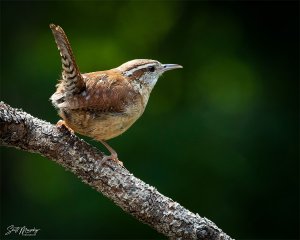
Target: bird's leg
x=113 y=154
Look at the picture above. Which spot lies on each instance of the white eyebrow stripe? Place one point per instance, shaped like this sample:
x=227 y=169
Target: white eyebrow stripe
x=130 y=72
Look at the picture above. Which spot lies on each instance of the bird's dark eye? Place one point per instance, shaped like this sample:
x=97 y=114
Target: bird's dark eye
x=151 y=69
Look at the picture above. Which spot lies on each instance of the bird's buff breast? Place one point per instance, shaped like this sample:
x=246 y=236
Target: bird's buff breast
x=99 y=126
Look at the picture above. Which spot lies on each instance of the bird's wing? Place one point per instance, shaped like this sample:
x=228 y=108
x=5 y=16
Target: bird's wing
x=105 y=92
x=72 y=79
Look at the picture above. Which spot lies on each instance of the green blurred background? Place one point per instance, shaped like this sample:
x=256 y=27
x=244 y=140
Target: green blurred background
x=219 y=136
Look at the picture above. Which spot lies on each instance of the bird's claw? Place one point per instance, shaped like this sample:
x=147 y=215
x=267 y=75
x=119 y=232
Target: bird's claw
x=113 y=157
x=61 y=124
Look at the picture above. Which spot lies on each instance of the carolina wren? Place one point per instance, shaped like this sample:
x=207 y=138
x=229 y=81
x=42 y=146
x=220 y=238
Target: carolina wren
x=103 y=104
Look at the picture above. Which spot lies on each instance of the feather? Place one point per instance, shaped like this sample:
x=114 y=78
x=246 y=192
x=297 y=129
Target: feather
x=72 y=79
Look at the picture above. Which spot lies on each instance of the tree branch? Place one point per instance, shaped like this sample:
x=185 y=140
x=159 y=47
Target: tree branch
x=20 y=130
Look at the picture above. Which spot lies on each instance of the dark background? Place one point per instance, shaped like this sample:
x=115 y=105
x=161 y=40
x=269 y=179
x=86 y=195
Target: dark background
x=220 y=136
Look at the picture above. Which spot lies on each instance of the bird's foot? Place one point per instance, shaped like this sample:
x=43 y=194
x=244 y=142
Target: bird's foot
x=61 y=124
x=113 y=154
x=113 y=157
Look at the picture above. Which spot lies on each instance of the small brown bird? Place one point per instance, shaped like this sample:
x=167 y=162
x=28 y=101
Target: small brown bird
x=104 y=104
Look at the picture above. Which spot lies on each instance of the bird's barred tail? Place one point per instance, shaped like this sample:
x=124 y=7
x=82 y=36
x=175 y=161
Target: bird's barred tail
x=72 y=78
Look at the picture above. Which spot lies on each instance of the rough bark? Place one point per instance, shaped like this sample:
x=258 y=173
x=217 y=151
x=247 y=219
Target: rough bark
x=20 y=130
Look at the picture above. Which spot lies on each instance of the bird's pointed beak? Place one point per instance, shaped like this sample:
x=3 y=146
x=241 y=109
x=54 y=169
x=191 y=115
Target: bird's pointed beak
x=167 y=67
